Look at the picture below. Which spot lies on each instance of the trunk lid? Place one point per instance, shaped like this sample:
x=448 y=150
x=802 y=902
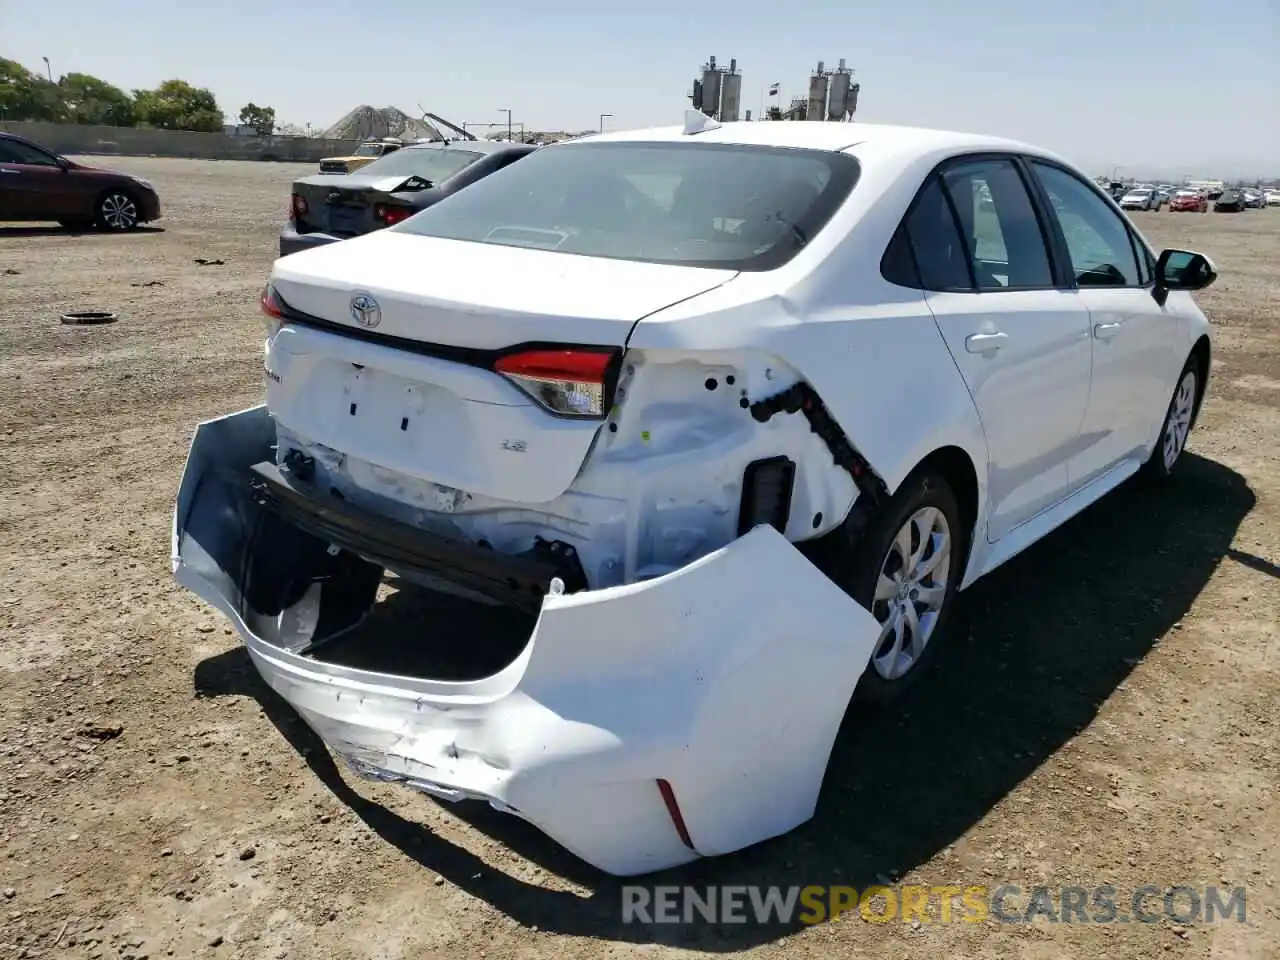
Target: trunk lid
x=344 y=208
x=483 y=295
x=433 y=419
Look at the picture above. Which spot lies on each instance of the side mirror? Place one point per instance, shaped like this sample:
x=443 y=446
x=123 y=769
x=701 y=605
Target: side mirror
x=1182 y=270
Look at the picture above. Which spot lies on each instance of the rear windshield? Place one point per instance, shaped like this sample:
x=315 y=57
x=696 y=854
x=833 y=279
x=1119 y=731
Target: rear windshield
x=713 y=205
x=436 y=164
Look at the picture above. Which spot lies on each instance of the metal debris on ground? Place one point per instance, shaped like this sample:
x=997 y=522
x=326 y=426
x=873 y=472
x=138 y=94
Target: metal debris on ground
x=89 y=317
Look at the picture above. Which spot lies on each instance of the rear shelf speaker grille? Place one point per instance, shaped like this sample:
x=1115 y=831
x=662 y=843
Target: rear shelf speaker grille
x=766 y=494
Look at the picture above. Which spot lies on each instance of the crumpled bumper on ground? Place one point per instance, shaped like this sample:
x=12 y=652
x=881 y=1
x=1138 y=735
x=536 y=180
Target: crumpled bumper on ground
x=641 y=726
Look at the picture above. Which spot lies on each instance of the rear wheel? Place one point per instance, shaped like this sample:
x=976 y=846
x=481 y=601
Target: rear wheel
x=904 y=569
x=117 y=211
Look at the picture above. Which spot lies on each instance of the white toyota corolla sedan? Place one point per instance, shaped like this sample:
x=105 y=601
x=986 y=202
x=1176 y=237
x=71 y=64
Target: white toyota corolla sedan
x=726 y=414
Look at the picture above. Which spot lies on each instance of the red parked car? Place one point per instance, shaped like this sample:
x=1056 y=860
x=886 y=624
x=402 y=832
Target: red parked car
x=1192 y=200
x=36 y=184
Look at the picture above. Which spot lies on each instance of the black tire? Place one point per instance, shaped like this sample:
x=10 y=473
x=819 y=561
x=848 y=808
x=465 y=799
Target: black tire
x=117 y=210
x=1179 y=417
x=863 y=561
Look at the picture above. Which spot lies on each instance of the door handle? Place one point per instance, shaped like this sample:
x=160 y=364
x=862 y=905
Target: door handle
x=1105 y=331
x=985 y=342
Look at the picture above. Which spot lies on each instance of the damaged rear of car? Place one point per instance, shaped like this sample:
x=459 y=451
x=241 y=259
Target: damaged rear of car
x=494 y=429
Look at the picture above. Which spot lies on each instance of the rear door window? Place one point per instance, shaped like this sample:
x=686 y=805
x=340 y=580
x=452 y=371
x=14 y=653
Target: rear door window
x=998 y=223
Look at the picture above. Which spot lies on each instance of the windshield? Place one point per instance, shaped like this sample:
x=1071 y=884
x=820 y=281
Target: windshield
x=435 y=164
x=1139 y=193
x=696 y=204
x=369 y=150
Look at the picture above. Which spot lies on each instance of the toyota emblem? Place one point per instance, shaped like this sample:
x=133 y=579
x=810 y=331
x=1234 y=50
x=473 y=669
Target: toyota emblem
x=365 y=311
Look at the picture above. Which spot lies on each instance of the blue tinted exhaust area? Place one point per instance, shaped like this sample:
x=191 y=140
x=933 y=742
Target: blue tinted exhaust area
x=639 y=726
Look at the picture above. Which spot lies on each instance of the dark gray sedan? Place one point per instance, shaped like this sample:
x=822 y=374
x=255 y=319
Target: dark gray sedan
x=325 y=208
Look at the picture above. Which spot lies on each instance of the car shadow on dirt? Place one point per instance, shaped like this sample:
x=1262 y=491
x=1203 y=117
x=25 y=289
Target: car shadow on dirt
x=18 y=233
x=1037 y=647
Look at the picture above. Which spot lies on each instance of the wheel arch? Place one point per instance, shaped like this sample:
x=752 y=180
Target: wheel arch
x=114 y=188
x=1202 y=353
x=956 y=466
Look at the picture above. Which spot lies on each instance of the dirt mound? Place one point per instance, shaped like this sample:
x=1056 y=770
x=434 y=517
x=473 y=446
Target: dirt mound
x=365 y=122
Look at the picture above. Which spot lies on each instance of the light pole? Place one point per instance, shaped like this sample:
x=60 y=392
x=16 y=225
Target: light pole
x=602 y=117
x=48 y=69
x=507 y=111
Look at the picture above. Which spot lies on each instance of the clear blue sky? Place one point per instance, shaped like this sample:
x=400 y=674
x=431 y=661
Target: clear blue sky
x=1172 y=86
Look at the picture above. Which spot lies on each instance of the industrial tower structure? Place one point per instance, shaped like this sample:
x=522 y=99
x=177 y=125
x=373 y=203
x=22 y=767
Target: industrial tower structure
x=833 y=95
x=718 y=91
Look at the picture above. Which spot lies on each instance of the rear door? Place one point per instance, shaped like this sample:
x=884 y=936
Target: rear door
x=1138 y=345
x=1021 y=344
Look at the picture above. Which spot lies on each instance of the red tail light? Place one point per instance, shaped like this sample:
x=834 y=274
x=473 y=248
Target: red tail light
x=390 y=215
x=272 y=309
x=299 y=205
x=270 y=303
x=570 y=383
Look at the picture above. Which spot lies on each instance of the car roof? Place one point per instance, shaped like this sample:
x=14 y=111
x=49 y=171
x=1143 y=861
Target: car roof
x=819 y=136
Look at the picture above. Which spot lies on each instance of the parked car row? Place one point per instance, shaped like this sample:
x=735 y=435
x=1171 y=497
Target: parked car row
x=1197 y=197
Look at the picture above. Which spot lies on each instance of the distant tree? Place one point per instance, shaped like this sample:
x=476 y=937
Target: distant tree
x=27 y=96
x=86 y=99
x=177 y=105
x=262 y=119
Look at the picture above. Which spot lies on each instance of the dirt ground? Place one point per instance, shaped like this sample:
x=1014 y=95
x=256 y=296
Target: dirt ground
x=1106 y=714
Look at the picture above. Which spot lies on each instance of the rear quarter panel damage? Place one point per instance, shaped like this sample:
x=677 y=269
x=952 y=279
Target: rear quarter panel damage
x=882 y=369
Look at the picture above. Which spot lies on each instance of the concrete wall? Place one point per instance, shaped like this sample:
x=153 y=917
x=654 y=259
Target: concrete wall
x=144 y=142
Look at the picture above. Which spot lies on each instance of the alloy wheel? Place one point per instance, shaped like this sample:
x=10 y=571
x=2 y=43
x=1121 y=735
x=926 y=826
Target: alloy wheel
x=911 y=591
x=1178 y=424
x=119 y=212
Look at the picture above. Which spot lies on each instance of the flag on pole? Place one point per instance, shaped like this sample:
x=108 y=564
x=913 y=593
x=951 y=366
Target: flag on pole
x=773 y=89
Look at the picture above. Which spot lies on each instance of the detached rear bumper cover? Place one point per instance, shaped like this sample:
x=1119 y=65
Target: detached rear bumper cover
x=727 y=679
